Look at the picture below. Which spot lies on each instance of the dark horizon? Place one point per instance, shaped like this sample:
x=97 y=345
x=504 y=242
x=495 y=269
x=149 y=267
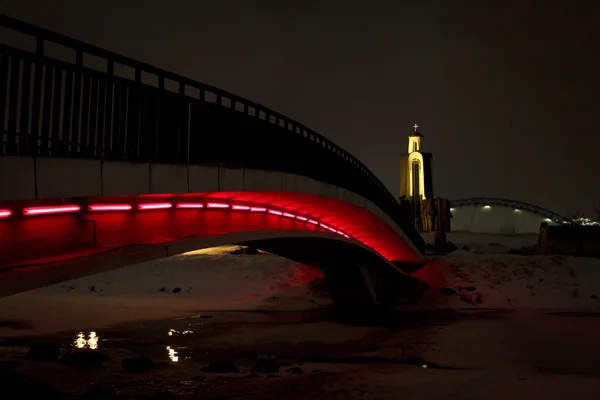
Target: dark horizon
x=503 y=93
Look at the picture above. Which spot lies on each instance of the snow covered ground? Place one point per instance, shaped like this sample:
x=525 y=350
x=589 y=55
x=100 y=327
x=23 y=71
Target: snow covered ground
x=213 y=279
x=210 y=279
x=486 y=276
x=519 y=349
x=482 y=243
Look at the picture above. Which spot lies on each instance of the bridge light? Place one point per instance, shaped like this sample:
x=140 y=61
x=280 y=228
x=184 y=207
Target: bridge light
x=51 y=210
x=154 y=206
x=189 y=205
x=109 y=207
x=4 y=213
x=217 y=205
x=258 y=209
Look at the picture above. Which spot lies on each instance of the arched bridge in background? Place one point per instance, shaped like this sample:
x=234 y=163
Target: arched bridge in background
x=106 y=161
x=484 y=201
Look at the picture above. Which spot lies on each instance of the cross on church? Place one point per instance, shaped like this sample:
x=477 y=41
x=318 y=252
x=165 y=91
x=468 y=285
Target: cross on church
x=416 y=126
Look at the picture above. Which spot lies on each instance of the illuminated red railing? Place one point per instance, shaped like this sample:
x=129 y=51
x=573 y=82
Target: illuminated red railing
x=121 y=207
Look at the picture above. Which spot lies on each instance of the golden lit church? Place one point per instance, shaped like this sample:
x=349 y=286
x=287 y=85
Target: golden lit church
x=477 y=215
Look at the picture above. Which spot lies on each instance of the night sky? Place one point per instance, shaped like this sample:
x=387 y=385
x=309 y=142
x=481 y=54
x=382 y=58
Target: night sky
x=506 y=92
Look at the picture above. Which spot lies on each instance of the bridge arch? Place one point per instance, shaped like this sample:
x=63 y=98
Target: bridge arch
x=500 y=216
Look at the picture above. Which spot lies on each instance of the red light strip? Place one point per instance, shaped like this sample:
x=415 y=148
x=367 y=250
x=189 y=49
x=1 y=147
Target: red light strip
x=217 y=205
x=44 y=210
x=109 y=207
x=154 y=206
x=189 y=205
x=241 y=207
x=5 y=213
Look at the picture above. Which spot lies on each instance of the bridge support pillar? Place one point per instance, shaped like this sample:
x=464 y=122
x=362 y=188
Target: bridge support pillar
x=350 y=285
x=361 y=287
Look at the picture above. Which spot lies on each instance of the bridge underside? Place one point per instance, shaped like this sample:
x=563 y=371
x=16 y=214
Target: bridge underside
x=355 y=275
x=358 y=252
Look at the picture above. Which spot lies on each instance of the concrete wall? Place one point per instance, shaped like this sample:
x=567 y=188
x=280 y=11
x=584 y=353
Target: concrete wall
x=573 y=240
x=496 y=220
x=23 y=178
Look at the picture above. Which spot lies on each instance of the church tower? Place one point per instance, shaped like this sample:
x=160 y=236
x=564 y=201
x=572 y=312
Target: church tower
x=416 y=179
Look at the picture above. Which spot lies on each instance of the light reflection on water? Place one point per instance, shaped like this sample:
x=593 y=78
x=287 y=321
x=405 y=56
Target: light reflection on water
x=173 y=353
x=176 y=332
x=91 y=342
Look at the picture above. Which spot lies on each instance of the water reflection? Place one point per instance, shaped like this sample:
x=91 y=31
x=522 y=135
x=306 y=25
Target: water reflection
x=91 y=342
x=176 y=332
x=173 y=355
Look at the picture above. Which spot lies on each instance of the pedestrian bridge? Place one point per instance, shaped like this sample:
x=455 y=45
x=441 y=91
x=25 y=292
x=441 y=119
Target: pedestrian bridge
x=106 y=161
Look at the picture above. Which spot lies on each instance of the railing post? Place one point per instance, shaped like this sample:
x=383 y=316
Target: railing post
x=182 y=127
x=161 y=88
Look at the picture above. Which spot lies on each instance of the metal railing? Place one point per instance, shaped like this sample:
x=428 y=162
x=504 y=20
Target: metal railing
x=55 y=108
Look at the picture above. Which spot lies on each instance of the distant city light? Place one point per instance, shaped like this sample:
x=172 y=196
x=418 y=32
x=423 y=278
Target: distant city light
x=487 y=207
x=517 y=210
x=585 y=221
